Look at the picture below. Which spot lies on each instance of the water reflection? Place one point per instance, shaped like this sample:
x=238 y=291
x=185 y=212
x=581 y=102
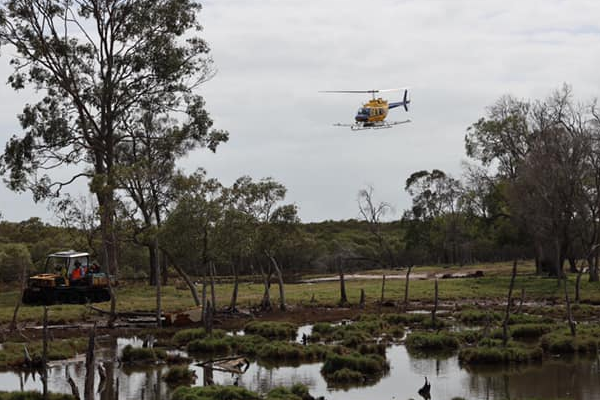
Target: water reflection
x=575 y=378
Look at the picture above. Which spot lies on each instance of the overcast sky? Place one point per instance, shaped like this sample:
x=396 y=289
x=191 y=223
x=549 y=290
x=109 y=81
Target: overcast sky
x=273 y=56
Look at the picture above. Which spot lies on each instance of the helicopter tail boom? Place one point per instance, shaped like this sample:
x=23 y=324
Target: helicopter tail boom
x=404 y=103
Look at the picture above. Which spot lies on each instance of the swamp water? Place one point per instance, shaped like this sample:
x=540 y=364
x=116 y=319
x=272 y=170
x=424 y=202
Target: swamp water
x=567 y=378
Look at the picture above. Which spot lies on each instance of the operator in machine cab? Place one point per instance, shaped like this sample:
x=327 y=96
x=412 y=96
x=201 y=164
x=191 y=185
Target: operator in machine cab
x=78 y=272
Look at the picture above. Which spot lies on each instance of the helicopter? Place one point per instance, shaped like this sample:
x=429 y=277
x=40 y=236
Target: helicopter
x=373 y=113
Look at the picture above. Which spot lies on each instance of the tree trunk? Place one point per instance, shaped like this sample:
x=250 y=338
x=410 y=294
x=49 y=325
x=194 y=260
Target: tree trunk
x=204 y=300
x=185 y=277
x=152 y=253
x=106 y=202
x=435 y=304
x=508 y=304
x=520 y=309
x=208 y=321
x=13 y=323
x=282 y=305
x=568 y=306
x=88 y=391
x=164 y=268
x=343 y=296
x=593 y=268
x=213 y=294
x=157 y=282
x=45 y=354
x=572 y=265
x=234 y=293
x=578 y=284
x=406 y=288
x=382 y=288
x=265 y=304
x=362 y=300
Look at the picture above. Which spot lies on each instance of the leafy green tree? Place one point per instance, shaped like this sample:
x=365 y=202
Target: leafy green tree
x=273 y=225
x=96 y=63
x=147 y=169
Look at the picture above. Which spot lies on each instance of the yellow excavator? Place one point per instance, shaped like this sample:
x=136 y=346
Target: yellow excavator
x=68 y=277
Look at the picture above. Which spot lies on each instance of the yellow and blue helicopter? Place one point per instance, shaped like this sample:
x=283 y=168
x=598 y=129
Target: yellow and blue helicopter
x=373 y=113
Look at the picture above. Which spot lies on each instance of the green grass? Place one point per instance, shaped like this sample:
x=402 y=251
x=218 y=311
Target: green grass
x=185 y=336
x=494 y=286
x=12 y=353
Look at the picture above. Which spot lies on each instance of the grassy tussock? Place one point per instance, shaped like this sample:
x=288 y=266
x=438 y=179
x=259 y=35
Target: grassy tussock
x=12 y=353
x=185 y=336
x=530 y=331
x=561 y=342
x=139 y=355
x=428 y=341
x=272 y=330
x=296 y=392
x=258 y=347
x=490 y=351
x=355 y=366
x=357 y=333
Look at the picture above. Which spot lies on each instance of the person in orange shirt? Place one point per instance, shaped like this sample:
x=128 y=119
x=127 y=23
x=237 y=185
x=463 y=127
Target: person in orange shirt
x=78 y=273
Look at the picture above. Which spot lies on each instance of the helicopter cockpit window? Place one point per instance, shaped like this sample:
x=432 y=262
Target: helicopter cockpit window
x=363 y=111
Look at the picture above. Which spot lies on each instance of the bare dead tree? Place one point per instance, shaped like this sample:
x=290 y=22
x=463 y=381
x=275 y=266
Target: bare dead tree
x=213 y=294
x=435 y=304
x=362 y=300
x=572 y=326
x=408 y=270
x=90 y=360
x=45 y=353
x=13 y=324
x=158 y=287
x=373 y=213
x=508 y=304
x=343 y=295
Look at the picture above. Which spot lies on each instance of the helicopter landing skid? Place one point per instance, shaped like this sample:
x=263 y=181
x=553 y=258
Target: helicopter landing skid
x=372 y=125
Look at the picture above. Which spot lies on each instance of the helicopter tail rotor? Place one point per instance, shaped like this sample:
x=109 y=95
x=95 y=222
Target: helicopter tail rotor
x=405 y=100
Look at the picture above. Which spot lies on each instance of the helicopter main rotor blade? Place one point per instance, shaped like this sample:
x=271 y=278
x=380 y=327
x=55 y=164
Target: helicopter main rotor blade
x=363 y=91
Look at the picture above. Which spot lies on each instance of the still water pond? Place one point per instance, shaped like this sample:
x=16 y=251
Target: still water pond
x=569 y=378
